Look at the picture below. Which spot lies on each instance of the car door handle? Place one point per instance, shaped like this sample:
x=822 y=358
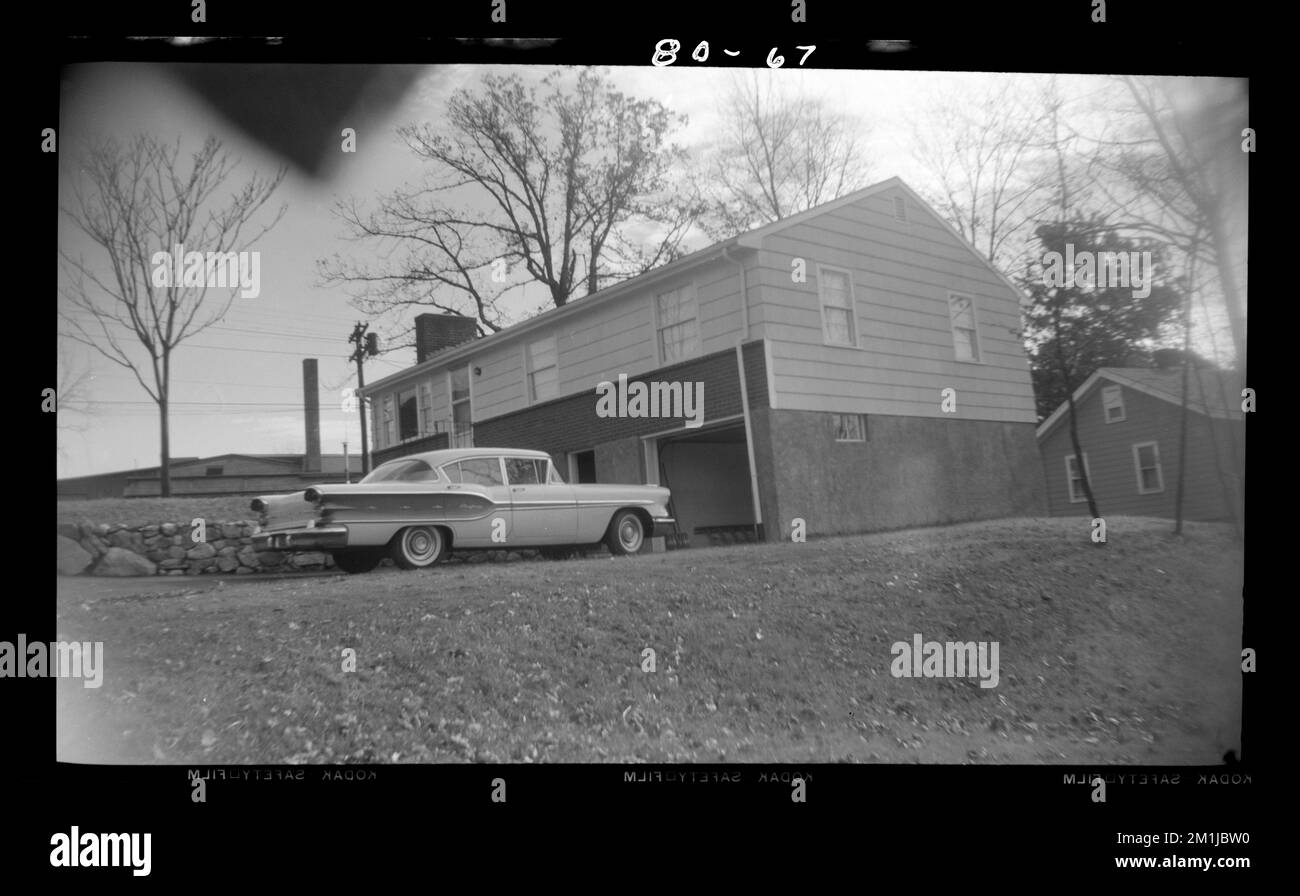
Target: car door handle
x=516 y=488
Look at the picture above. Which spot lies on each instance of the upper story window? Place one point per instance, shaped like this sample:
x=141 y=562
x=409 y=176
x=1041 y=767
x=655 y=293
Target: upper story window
x=839 y=325
x=543 y=379
x=426 y=407
x=214 y=471
x=389 y=422
x=408 y=417
x=678 y=323
x=965 y=331
x=462 y=415
x=1112 y=401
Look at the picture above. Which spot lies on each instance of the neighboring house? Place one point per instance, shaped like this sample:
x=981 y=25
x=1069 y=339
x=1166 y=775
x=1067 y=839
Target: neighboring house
x=225 y=474
x=1129 y=429
x=824 y=343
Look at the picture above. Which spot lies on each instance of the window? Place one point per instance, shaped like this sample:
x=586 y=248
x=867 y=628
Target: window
x=408 y=418
x=479 y=471
x=965 y=333
x=1112 y=400
x=214 y=471
x=679 y=329
x=1074 y=479
x=836 y=288
x=462 y=418
x=900 y=209
x=850 y=427
x=402 y=471
x=1146 y=462
x=525 y=471
x=390 y=422
x=426 y=408
x=542 y=376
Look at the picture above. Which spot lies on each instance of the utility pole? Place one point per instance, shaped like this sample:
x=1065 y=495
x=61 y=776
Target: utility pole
x=366 y=344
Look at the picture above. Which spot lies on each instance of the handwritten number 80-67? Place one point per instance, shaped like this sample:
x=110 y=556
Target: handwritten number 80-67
x=667 y=49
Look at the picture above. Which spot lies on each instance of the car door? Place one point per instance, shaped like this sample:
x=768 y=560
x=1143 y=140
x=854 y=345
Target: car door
x=482 y=517
x=545 y=508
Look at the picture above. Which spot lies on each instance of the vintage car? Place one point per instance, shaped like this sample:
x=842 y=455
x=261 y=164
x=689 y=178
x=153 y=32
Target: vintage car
x=419 y=508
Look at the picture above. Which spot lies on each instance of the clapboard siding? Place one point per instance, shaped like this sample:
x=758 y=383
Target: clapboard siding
x=1109 y=448
x=902 y=275
x=610 y=338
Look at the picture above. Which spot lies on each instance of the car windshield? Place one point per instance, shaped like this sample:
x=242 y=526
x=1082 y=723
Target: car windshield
x=402 y=471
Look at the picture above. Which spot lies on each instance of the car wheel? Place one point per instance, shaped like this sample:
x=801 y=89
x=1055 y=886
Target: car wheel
x=358 y=560
x=419 y=547
x=626 y=533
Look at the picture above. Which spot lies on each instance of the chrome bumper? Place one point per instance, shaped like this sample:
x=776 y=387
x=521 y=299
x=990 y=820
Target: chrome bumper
x=659 y=524
x=319 y=538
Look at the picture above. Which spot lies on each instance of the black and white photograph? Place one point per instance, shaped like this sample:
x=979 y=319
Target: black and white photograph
x=607 y=414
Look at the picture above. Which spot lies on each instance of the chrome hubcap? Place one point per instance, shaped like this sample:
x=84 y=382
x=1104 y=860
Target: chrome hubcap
x=629 y=533
x=421 y=545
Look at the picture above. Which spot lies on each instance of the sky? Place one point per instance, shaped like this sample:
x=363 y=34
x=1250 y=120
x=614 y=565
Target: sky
x=237 y=387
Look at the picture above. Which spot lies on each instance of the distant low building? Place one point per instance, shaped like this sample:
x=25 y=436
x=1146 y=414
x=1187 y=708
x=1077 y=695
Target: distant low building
x=1129 y=424
x=224 y=474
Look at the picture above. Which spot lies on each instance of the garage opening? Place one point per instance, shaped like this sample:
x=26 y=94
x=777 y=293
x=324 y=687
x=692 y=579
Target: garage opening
x=708 y=474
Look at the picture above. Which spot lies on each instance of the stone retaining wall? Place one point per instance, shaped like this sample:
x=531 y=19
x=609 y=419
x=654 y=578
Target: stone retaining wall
x=168 y=549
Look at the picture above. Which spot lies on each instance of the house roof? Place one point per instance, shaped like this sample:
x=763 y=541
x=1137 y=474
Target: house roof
x=749 y=240
x=1220 y=388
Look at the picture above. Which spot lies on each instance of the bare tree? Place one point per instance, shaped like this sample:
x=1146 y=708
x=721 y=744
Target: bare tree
x=778 y=154
x=990 y=158
x=553 y=182
x=133 y=202
x=1180 y=176
x=72 y=393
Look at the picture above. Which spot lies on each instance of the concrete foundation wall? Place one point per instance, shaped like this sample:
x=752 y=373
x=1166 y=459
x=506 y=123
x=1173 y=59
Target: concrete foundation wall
x=911 y=471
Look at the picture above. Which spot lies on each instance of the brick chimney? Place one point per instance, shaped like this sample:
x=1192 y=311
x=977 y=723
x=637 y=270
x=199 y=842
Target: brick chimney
x=438 y=332
x=311 y=415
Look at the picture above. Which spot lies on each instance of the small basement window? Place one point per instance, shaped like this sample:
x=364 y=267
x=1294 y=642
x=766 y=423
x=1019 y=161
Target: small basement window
x=850 y=427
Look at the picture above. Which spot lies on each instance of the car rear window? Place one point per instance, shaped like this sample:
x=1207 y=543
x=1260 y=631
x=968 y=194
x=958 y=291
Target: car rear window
x=402 y=471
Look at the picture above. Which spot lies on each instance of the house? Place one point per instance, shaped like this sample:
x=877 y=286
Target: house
x=1129 y=431
x=822 y=349
x=225 y=474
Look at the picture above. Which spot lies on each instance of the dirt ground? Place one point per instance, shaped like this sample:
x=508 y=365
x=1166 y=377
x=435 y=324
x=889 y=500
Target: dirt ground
x=1123 y=653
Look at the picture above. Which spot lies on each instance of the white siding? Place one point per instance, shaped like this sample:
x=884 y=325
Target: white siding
x=903 y=274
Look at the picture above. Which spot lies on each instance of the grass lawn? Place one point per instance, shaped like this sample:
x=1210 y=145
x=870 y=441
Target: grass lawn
x=146 y=511
x=1127 y=653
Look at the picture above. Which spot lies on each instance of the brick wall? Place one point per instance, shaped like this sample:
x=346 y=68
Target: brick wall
x=434 y=442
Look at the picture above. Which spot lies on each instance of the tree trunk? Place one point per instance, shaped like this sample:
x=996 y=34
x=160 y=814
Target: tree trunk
x=1078 y=459
x=164 y=458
